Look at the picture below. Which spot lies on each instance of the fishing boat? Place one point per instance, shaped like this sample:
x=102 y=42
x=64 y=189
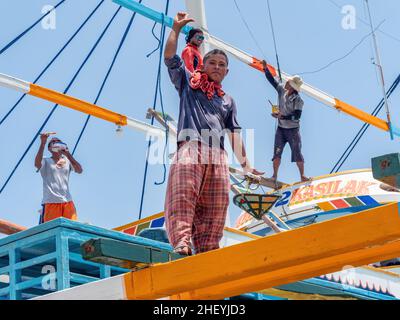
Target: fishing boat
x=334 y=236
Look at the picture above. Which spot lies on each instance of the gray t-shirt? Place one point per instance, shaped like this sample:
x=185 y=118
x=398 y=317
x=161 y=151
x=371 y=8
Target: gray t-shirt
x=287 y=105
x=55 y=181
x=201 y=119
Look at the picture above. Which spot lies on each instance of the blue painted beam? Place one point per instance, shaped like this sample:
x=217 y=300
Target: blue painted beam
x=82 y=279
x=4 y=270
x=4 y=291
x=395 y=130
x=29 y=283
x=151 y=14
x=35 y=261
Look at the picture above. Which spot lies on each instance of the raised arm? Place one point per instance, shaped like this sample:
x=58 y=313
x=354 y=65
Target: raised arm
x=39 y=155
x=181 y=19
x=269 y=76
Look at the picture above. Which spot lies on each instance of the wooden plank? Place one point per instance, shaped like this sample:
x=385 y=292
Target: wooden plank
x=356 y=239
x=124 y=255
x=153 y=113
x=8 y=228
x=262 y=181
x=386 y=169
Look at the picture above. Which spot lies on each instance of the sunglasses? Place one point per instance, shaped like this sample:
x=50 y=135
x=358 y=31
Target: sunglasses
x=200 y=38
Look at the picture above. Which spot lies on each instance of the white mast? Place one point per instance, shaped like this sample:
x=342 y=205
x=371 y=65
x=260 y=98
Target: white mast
x=379 y=65
x=197 y=11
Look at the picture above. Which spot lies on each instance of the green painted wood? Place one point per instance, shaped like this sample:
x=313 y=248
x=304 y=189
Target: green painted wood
x=386 y=165
x=124 y=255
x=386 y=168
x=354 y=202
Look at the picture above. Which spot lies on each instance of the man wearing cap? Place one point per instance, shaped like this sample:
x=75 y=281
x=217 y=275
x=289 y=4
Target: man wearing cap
x=290 y=107
x=55 y=170
x=191 y=54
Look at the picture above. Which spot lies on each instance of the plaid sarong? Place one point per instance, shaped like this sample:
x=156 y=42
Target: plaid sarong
x=197 y=196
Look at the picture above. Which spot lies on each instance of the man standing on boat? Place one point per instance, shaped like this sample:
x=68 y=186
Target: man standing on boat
x=191 y=54
x=57 y=201
x=290 y=106
x=198 y=184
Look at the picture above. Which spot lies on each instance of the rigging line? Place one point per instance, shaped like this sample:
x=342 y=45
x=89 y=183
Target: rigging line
x=274 y=38
x=249 y=30
x=380 y=67
x=363 y=129
x=7 y=46
x=372 y=59
x=159 y=42
x=161 y=45
x=367 y=24
x=106 y=78
x=56 y=105
x=53 y=60
x=345 y=56
x=166 y=134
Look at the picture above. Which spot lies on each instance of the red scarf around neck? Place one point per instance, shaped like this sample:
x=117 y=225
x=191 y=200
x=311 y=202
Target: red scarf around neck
x=199 y=80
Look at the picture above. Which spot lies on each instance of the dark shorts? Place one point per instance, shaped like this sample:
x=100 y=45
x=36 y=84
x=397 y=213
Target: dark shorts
x=292 y=136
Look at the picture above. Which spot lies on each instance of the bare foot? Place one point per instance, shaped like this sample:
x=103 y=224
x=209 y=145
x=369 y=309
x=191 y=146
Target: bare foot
x=304 y=179
x=183 y=251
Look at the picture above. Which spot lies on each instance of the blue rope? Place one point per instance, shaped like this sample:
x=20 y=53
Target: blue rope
x=52 y=61
x=159 y=41
x=158 y=82
x=106 y=77
x=363 y=129
x=55 y=106
x=7 y=46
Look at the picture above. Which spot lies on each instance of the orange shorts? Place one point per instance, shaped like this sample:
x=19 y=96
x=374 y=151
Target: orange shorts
x=53 y=211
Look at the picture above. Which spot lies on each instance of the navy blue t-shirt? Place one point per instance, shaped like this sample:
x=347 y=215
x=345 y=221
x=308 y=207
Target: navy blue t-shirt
x=201 y=119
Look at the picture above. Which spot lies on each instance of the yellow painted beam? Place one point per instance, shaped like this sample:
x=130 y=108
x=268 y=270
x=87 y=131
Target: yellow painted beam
x=326 y=247
x=362 y=115
x=77 y=104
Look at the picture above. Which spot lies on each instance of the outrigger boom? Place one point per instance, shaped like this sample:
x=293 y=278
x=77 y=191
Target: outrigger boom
x=256 y=63
x=77 y=104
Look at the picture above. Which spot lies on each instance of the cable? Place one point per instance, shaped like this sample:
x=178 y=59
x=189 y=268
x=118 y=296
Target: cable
x=249 y=30
x=7 y=46
x=274 y=38
x=345 y=56
x=158 y=81
x=53 y=60
x=159 y=41
x=106 y=77
x=55 y=106
x=363 y=129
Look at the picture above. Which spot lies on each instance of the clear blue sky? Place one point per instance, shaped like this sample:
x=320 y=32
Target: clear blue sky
x=309 y=35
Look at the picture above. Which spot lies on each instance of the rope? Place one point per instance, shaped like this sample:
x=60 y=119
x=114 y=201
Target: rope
x=106 y=77
x=363 y=129
x=274 y=38
x=343 y=57
x=7 y=46
x=52 y=61
x=157 y=90
x=55 y=106
x=159 y=41
x=249 y=30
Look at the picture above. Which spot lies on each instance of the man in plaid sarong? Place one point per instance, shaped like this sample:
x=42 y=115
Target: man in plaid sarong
x=197 y=196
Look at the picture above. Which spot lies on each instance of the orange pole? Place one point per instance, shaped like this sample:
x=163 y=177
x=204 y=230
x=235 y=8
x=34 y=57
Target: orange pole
x=363 y=116
x=77 y=104
x=10 y=228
